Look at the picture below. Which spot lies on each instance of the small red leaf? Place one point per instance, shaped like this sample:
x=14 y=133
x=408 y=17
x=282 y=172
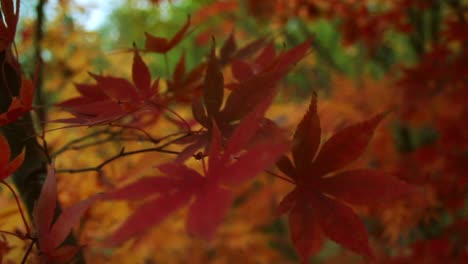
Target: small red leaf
x=7 y=167
x=163 y=45
x=15 y=163
x=4 y=151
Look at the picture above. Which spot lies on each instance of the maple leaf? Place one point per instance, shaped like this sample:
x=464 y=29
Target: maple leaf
x=317 y=204
x=51 y=234
x=164 y=45
x=19 y=105
x=211 y=197
x=112 y=98
x=8 y=22
x=247 y=95
x=7 y=167
x=184 y=85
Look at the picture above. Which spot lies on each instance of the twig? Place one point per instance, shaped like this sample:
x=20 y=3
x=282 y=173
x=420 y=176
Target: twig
x=78 y=140
x=122 y=154
x=25 y=257
x=19 y=207
x=12 y=234
x=38 y=36
x=136 y=128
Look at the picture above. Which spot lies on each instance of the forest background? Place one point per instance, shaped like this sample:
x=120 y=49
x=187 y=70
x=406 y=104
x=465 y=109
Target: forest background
x=407 y=58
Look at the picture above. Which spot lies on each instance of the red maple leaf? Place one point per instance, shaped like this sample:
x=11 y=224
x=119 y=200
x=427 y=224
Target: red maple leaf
x=51 y=234
x=226 y=168
x=8 y=22
x=317 y=205
x=112 y=98
x=184 y=85
x=7 y=167
x=243 y=99
x=164 y=45
x=19 y=105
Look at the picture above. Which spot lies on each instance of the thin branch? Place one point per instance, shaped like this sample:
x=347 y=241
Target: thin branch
x=158 y=107
x=12 y=234
x=94 y=143
x=19 y=207
x=25 y=257
x=76 y=141
x=153 y=140
x=122 y=154
x=38 y=36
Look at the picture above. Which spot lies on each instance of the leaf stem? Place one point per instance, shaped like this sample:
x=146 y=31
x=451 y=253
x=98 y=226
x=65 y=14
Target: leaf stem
x=11 y=234
x=280 y=177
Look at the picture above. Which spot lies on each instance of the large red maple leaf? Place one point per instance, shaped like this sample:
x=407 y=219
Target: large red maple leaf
x=211 y=196
x=318 y=204
x=51 y=234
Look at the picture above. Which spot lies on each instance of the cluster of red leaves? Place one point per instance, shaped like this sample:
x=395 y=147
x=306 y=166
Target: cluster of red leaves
x=251 y=143
x=253 y=86
x=227 y=167
x=50 y=234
